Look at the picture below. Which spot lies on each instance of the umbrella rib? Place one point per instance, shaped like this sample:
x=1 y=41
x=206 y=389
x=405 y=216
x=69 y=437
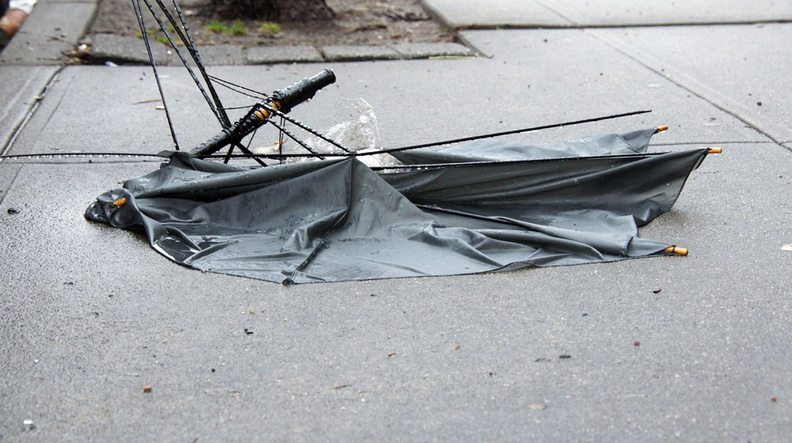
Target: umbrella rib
x=214 y=103
x=142 y=24
x=283 y=130
x=503 y=133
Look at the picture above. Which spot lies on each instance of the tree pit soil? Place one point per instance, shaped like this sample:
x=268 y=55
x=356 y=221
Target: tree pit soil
x=357 y=22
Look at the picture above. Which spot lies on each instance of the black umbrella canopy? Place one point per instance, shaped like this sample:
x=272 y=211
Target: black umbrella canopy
x=488 y=206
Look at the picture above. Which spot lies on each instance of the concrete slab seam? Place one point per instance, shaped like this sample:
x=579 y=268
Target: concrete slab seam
x=694 y=87
x=476 y=50
x=18 y=128
x=435 y=14
x=566 y=22
x=555 y=11
x=8 y=105
x=4 y=192
x=484 y=26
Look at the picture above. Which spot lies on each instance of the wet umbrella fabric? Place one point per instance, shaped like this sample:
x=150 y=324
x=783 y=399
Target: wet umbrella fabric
x=338 y=220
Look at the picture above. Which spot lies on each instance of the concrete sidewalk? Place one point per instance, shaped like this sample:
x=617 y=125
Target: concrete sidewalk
x=604 y=13
x=689 y=348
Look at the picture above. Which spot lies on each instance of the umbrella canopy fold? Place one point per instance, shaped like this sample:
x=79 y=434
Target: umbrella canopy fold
x=489 y=206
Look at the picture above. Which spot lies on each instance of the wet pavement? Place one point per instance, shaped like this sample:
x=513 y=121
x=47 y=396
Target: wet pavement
x=690 y=348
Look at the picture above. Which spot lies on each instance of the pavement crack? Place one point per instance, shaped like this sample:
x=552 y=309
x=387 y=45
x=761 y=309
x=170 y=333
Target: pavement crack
x=689 y=84
x=555 y=11
x=32 y=111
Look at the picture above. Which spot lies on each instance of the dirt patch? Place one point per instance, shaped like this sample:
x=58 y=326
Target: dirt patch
x=357 y=22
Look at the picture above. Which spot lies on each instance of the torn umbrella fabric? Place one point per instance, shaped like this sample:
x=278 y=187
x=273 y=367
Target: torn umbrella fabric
x=339 y=220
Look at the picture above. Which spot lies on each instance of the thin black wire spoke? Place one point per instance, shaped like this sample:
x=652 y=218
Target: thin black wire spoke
x=250 y=142
x=215 y=104
x=309 y=130
x=250 y=139
x=230 y=151
x=178 y=52
x=503 y=133
x=184 y=26
x=252 y=93
x=314 y=153
x=197 y=59
x=143 y=30
x=248 y=154
x=281 y=140
x=236 y=108
x=78 y=155
x=252 y=155
x=445 y=142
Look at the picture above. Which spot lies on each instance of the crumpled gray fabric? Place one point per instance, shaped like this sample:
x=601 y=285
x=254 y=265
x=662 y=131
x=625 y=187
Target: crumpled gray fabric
x=338 y=220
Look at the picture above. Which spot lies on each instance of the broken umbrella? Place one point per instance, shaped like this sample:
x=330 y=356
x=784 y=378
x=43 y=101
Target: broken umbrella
x=458 y=207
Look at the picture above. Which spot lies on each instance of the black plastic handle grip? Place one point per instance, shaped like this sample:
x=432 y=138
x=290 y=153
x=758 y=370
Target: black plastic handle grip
x=302 y=90
x=283 y=100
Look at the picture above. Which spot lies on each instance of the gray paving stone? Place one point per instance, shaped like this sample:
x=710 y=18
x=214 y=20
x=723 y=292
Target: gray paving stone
x=51 y=30
x=742 y=69
x=426 y=50
x=573 y=13
x=221 y=55
x=661 y=12
x=565 y=71
x=19 y=93
x=119 y=49
x=67 y=1
x=466 y=14
x=358 y=53
x=260 y=55
x=119 y=107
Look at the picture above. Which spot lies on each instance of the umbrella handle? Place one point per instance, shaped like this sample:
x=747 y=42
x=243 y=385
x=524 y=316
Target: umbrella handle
x=282 y=100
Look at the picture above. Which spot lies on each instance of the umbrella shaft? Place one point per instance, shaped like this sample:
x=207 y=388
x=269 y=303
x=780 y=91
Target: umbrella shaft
x=283 y=100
